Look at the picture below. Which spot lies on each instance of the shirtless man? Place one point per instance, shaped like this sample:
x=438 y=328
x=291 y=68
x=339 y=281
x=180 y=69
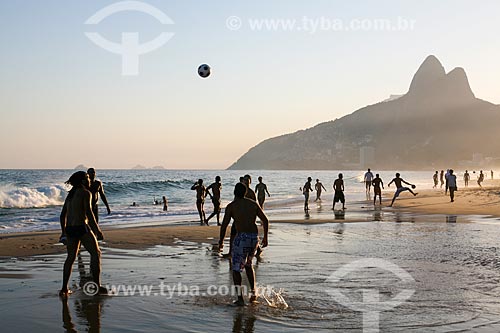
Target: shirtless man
x=215 y=196
x=261 y=190
x=480 y=179
x=318 y=187
x=250 y=194
x=435 y=178
x=399 y=187
x=244 y=213
x=305 y=190
x=466 y=178
x=201 y=193
x=377 y=182
x=368 y=180
x=338 y=189
x=78 y=225
x=96 y=188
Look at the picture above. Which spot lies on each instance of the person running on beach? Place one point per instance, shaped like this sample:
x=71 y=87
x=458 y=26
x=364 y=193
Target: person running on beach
x=338 y=189
x=165 y=203
x=368 y=180
x=215 y=196
x=201 y=193
x=466 y=178
x=78 y=225
x=96 y=188
x=244 y=213
x=318 y=187
x=435 y=178
x=307 y=188
x=480 y=179
x=377 y=182
x=452 y=185
x=441 y=178
x=261 y=190
x=399 y=187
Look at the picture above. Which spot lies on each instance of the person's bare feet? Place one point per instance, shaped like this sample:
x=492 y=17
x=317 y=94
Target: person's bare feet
x=65 y=292
x=239 y=302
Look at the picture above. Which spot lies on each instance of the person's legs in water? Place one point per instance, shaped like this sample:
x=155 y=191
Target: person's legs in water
x=72 y=247
x=251 y=280
x=90 y=243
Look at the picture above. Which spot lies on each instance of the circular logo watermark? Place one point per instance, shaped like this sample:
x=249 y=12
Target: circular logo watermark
x=371 y=304
x=90 y=288
x=233 y=23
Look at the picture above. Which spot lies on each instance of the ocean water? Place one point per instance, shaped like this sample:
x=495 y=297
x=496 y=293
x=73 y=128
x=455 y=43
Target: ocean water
x=32 y=199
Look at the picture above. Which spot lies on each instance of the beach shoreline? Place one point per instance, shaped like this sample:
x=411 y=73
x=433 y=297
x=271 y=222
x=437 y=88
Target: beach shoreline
x=469 y=201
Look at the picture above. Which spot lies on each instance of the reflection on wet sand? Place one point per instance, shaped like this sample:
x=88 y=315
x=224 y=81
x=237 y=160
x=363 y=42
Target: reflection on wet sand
x=377 y=214
x=88 y=309
x=339 y=214
x=451 y=218
x=243 y=323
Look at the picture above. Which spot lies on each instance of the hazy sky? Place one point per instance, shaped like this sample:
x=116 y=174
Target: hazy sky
x=64 y=100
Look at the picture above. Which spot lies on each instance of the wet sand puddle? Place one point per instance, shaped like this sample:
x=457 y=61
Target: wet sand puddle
x=453 y=270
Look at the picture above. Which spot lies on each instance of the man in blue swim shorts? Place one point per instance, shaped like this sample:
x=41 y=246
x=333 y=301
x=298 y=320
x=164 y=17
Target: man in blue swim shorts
x=244 y=212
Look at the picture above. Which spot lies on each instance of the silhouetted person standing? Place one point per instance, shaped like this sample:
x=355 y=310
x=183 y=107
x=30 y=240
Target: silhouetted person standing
x=78 y=225
x=441 y=178
x=466 y=178
x=318 y=187
x=96 y=189
x=201 y=193
x=435 y=178
x=491 y=174
x=261 y=190
x=338 y=190
x=307 y=188
x=368 y=180
x=215 y=196
x=377 y=182
x=165 y=203
x=452 y=185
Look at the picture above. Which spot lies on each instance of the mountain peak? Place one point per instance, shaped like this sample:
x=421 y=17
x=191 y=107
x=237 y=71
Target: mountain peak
x=429 y=71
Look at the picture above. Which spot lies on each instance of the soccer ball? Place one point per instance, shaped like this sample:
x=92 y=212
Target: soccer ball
x=204 y=70
x=413 y=186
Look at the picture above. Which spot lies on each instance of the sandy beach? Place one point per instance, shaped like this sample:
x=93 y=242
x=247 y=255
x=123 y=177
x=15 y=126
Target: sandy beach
x=469 y=201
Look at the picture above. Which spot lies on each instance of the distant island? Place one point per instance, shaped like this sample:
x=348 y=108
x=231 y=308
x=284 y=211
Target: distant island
x=438 y=123
x=80 y=167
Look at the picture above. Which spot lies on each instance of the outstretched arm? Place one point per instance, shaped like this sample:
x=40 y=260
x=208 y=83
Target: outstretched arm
x=265 y=224
x=90 y=216
x=104 y=199
x=225 y=223
x=406 y=182
x=63 y=217
x=389 y=185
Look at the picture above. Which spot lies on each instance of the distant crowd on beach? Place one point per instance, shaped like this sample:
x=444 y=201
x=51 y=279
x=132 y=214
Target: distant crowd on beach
x=80 y=219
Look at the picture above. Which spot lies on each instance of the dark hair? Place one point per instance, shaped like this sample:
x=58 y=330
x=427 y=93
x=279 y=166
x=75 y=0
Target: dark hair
x=90 y=170
x=217 y=178
x=240 y=190
x=75 y=180
x=397 y=174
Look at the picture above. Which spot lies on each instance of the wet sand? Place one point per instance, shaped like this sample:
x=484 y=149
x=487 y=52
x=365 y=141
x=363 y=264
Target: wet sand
x=468 y=202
